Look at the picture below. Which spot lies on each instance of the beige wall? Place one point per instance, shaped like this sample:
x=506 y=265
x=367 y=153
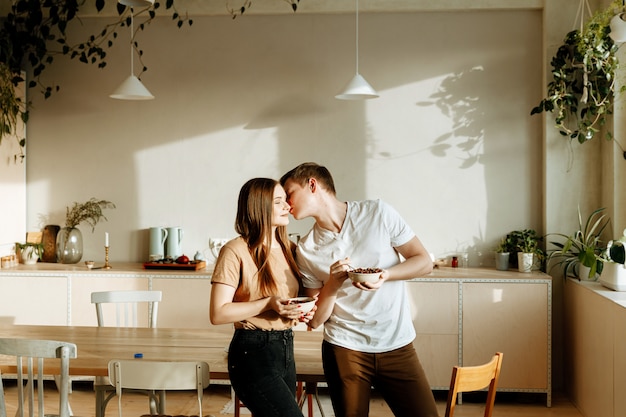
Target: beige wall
x=449 y=143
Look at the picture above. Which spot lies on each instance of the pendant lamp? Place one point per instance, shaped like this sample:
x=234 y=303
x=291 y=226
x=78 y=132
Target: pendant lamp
x=358 y=88
x=131 y=88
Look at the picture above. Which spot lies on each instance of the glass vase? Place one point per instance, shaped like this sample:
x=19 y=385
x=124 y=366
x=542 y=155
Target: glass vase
x=69 y=245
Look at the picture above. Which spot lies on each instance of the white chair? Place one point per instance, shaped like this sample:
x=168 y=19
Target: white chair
x=127 y=308
x=159 y=376
x=30 y=354
x=126 y=305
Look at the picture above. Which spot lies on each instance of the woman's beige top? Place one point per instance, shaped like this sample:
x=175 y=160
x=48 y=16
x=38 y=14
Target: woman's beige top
x=235 y=267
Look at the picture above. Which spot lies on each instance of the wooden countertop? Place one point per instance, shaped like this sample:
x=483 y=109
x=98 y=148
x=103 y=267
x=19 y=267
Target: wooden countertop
x=120 y=269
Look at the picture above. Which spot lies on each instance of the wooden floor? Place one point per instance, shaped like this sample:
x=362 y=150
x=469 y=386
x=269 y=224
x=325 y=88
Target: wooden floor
x=217 y=396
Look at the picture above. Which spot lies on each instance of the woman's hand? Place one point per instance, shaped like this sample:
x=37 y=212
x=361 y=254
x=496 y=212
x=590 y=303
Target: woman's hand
x=306 y=318
x=283 y=308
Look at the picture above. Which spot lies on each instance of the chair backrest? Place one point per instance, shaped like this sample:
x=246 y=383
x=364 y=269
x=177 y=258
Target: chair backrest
x=31 y=354
x=475 y=378
x=158 y=375
x=126 y=306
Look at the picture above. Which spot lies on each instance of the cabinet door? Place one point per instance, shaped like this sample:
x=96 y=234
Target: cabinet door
x=33 y=300
x=185 y=302
x=435 y=310
x=84 y=313
x=511 y=318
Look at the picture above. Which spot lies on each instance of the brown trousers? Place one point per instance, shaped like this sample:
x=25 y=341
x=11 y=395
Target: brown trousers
x=397 y=375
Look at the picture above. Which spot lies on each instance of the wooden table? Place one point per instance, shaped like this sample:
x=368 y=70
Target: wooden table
x=96 y=346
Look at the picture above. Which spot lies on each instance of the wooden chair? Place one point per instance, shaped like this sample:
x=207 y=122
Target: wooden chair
x=126 y=306
x=159 y=376
x=30 y=354
x=475 y=378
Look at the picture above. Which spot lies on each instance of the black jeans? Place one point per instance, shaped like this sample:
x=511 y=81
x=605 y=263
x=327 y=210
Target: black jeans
x=262 y=372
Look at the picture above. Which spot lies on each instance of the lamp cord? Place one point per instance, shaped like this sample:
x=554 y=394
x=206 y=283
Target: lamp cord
x=132 y=58
x=357 y=36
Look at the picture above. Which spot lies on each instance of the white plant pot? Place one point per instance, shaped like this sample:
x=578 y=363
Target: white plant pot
x=614 y=276
x=525 y=261
x=618 y=28
x=28 y=255
x=583 y=273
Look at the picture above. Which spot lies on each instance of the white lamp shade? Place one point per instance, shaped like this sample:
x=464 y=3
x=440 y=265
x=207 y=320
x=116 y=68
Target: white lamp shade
x=132 y=89
x=357 y=89
x=136 y=3
x=618 y=28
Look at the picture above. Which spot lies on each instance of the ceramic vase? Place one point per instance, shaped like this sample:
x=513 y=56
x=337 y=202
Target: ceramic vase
x=525 y=261
x=69 y=247
x=502 y=261
x=583 y=273
x=614 y=276
x=618 y=28
x=29 y=256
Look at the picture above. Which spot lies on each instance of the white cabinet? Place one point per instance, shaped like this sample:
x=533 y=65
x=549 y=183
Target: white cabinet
x=41 y=300
x=464 y=316
x=435 y=309
x=461 y=316
x=83 y=312
x=61 y=294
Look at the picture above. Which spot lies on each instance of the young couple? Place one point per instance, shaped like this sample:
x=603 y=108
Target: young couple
x=368 y=330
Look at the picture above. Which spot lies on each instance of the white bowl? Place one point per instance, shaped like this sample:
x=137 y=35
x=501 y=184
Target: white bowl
x=305 y=304
x=357 y=275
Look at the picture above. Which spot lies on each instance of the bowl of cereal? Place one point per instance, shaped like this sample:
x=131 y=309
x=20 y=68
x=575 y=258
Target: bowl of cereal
x=365 y=274
x=305 y=304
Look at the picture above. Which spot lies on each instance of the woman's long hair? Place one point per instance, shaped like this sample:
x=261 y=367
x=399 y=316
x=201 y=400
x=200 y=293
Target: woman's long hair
x=255 y=209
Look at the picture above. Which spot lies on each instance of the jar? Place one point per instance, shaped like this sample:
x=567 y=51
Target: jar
x=455 y=262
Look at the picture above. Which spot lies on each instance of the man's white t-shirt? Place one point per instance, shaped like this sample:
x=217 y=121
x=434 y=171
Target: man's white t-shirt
x=366 y=321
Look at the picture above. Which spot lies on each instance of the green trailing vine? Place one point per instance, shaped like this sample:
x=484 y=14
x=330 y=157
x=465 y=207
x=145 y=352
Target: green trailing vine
x=35 y=31
x=581 y=93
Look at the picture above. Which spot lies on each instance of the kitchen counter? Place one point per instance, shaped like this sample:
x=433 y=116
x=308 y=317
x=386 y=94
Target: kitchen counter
x=117 y=269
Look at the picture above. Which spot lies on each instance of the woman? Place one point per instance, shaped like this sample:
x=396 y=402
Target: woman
x=254 y=275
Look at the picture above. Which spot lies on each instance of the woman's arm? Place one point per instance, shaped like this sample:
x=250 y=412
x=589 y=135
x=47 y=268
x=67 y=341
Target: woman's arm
x=224 y=310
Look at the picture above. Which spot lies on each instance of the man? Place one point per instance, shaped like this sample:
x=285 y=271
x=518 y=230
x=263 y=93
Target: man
x=368 y=330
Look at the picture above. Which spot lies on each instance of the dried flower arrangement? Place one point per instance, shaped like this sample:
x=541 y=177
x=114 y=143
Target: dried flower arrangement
x=89 y=211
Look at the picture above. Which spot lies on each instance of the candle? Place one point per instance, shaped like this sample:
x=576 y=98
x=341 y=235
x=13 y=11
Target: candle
x=106 y=239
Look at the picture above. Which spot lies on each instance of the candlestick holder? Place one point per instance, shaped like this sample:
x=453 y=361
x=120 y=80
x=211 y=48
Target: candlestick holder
x=106 y=258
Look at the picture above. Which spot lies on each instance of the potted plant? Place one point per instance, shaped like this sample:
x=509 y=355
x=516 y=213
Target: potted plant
x=503 y=253
x=581 y=93
x=69 y=244
x=519 y=241
x=579 y=254
x=30 y=252
x=614 y=260
x=529 y=252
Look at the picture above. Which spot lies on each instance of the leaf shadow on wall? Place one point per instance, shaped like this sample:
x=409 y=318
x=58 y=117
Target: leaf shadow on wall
x=458 y=98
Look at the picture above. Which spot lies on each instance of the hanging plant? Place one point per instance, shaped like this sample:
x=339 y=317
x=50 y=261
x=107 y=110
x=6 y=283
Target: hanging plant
x=34 y=32
x=581 y=93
